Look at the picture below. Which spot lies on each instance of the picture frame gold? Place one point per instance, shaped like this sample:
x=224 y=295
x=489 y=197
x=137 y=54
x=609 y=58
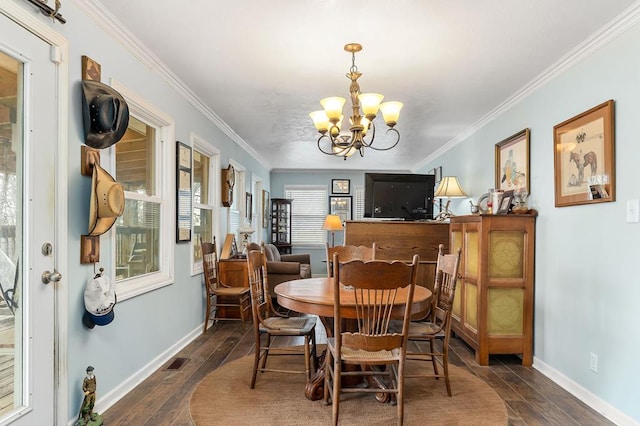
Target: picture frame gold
x=512 y=162
x=584 y=157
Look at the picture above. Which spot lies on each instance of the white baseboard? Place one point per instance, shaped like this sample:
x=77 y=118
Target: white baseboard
x=592 y=400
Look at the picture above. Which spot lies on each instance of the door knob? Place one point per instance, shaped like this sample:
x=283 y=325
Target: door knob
x=51 y=277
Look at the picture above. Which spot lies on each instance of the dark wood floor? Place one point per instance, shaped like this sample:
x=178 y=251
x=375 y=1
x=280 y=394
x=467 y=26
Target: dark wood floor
x=163 y=398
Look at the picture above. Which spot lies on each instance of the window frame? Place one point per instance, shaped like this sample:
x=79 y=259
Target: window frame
x=165 y=160
x=202 y=146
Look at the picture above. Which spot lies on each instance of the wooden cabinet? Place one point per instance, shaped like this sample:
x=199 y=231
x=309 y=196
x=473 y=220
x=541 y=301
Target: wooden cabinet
x=281 y=224
x=401 y=240
x=234 y=273
x=493 y=304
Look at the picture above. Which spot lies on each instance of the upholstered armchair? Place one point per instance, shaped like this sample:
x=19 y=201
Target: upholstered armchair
x=283 y=267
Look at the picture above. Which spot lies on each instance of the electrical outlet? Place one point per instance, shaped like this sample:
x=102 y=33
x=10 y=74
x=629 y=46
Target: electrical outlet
x=594 y=362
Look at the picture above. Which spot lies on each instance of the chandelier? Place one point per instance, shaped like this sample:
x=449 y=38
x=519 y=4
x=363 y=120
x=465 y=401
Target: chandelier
x=329 y=120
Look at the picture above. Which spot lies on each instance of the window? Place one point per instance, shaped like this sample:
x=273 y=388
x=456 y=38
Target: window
x=308 y=211
x=143 y=234
x=206 y=172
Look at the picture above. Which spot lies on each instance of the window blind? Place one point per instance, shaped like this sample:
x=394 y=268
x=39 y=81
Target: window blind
x=308 y=211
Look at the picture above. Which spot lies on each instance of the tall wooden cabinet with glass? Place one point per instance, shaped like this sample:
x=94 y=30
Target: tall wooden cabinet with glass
x=281 y=224
x=493 y=304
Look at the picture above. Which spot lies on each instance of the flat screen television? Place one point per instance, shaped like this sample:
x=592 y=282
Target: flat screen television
x=398 y=196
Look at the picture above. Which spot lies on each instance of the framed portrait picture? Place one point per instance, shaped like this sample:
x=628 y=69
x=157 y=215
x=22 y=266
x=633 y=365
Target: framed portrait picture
x=340 y=206
x=183 y=195
x=340 y=186
x=266 y=210
x=584 y=157
x=505 y=202
x=512 y=162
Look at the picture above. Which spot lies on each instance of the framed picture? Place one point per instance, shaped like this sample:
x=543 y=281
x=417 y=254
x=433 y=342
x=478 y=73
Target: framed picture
x=248 y=206
x=265 y=209
x=183 y=192
x=340 y=206
x=512 y=162
x=437 y=172
x=584 y=157
x=340 y=186
x=505 y=202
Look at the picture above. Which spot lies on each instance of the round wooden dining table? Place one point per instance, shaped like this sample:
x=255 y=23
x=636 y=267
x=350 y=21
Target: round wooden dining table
x=315 y=296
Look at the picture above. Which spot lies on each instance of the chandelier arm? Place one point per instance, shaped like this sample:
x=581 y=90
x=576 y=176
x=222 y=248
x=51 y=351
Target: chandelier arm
x=320 y=146
x=391 y=129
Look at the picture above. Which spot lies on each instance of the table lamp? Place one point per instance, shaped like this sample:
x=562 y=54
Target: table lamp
x=332 y=223
x=448 y=188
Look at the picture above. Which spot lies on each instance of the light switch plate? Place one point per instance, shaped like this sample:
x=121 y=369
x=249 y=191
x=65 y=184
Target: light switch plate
x=633 y=211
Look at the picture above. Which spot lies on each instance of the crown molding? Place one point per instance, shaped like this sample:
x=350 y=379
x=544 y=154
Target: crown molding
x=113 y=27
x=588 y=47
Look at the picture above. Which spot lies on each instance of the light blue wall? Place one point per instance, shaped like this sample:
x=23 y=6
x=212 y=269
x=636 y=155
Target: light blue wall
x=147 y=327
x=587 y=292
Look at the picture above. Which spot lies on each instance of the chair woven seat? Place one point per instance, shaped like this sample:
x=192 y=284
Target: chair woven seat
x=291 y=325
x=232 y=291
x=357 y=355
x=418 y=329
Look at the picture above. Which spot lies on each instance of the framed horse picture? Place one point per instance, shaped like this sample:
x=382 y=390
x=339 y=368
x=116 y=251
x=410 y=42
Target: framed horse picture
x=584 y=157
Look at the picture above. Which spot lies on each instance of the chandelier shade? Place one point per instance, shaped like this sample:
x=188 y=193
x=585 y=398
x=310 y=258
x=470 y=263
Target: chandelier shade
x=334 y=139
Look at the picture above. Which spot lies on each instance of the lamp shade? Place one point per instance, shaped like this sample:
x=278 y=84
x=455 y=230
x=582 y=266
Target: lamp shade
x=449 y=187
x=332 y=223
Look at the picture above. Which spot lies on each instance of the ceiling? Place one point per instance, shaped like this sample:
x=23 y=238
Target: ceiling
x=261 y=66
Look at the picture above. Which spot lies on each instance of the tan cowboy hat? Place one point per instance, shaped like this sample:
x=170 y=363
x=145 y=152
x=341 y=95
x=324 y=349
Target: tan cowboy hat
x=107 y=201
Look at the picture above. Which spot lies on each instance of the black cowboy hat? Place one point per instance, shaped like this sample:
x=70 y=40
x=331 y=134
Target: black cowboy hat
x=105 y=114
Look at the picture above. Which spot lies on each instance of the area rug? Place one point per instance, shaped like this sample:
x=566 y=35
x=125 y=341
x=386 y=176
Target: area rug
x=224 y=398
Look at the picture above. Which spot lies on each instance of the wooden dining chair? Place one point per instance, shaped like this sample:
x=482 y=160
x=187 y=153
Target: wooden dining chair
x=220 y=295
x=438 y=327
x=266 y=326
x=347 y=253
x=370 y=344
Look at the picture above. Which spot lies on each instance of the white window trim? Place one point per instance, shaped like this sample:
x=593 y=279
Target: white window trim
x=165 y=134
x=200 y=144
x=257 y=215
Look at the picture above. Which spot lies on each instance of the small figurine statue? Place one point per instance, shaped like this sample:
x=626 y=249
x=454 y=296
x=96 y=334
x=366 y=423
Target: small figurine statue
x=87 y=417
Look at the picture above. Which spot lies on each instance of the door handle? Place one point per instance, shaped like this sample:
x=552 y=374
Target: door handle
x=51 y=277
